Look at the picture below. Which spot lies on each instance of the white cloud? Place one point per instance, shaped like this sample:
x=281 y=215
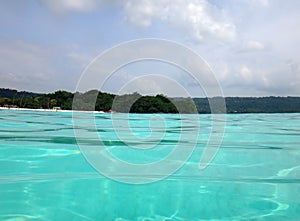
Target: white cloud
x=33 y=67
x=23 y=65
x=249 y=46
x=140 y=12
x=261 y=2
x=198 y=18
x=254 y=45
x=246 y=74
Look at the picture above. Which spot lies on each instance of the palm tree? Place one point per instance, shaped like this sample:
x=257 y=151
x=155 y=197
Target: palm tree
x=53 y=102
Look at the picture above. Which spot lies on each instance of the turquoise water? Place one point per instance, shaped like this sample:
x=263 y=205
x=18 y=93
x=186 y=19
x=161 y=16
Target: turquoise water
x=254 y=176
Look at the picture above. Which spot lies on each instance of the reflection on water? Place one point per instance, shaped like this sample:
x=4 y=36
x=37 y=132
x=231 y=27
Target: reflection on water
x=254 y=176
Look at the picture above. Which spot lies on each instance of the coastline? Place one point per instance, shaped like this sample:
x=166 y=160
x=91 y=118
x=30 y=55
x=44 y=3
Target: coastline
x=102 y=112
x=50 y=110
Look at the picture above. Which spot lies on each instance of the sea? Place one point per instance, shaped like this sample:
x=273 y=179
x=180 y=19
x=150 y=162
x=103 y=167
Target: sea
x=94 y=166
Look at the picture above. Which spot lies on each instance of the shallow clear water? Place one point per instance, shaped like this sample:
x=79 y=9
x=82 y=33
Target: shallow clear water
x=254 y=176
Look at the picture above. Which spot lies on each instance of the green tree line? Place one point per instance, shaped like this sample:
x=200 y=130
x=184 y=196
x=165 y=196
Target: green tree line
x=136 y=103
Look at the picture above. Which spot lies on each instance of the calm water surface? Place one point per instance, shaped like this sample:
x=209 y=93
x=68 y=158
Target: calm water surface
x=254 y=176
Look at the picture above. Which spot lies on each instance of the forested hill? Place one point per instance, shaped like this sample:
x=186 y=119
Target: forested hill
x=254 y=104
x=10 y=93
x=136 y=103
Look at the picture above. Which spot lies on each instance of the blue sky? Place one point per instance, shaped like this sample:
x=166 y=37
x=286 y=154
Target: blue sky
x=252 y=46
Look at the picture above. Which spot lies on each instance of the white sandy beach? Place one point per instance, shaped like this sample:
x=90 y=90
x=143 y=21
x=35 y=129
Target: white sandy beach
x=49 y=110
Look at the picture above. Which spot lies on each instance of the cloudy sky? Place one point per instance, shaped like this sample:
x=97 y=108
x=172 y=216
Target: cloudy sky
x=252 y=46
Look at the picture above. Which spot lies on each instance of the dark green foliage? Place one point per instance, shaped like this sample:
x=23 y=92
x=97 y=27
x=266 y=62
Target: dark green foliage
x=85 y=101
x=123 y=103
x=253 y=104
x=263 y=104
x=62 y=99
x=5 y=101
x=151 y=104
x=11 y=94
x=185 y=105
x=104 y=101
x=136 y=103
x=202 y=105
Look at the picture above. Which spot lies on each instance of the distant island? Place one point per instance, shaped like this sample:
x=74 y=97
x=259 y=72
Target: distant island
x=136 y=103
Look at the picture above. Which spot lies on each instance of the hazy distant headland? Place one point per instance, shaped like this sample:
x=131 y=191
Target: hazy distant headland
x=136 y=103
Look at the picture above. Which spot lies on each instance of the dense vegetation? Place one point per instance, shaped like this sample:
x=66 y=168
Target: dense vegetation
x=254 y=104
x=136 y=103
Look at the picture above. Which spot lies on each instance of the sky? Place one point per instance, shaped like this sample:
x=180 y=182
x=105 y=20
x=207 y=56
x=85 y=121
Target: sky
x=251 y=46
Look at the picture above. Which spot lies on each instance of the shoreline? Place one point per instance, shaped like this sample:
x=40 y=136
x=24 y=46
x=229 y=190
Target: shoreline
x=50 y=110
x=102 y=112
